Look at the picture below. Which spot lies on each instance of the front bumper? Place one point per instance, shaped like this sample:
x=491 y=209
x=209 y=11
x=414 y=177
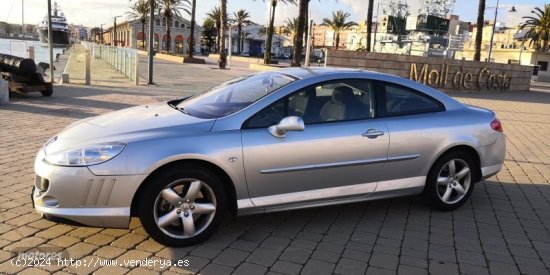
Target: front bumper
x=76 y=194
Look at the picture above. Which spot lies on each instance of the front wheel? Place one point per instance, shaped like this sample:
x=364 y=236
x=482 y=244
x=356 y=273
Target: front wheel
x=450 y=181
x=182 y=207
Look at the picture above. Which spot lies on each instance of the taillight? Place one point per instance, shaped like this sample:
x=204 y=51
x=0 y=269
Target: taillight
x=496 y=125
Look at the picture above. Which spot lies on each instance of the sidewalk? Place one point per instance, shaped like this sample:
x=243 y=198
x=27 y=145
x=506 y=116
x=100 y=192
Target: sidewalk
x=102 y=74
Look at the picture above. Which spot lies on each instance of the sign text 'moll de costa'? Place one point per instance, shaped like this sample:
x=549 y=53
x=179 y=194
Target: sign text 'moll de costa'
x=439 y=76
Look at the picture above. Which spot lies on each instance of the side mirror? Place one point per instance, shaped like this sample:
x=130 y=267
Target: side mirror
x=289 y=123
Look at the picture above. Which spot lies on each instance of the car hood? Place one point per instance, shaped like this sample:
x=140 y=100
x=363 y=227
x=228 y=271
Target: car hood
x=139 y=122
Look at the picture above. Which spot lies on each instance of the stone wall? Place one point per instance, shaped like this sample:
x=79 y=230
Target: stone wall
x=444 y=74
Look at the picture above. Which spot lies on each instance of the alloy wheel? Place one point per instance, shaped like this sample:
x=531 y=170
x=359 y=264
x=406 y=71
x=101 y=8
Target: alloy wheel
x=453 y=181
x=185 y=208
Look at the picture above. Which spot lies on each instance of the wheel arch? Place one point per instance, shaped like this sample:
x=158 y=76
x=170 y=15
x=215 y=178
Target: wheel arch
x=468 y=149
x=228 y=183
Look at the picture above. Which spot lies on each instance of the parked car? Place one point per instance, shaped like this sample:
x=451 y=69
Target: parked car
x=265 y=142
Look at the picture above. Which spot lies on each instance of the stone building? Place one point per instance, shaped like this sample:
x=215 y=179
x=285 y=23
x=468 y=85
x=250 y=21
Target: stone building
x=131 y=34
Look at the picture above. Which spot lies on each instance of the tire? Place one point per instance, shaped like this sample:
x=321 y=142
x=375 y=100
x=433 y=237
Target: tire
x=447 y=190
x=171 y=200
x=48 y=92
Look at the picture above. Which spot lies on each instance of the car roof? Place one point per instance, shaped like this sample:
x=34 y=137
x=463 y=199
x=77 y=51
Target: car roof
x=304 y=73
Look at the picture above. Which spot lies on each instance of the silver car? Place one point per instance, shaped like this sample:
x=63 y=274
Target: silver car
x=265 y=142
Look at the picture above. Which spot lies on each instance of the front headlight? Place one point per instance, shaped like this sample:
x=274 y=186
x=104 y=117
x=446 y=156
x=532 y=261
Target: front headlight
x=87 y=155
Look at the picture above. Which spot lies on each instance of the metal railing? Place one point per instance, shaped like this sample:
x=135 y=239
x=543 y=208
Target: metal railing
x=123 y=60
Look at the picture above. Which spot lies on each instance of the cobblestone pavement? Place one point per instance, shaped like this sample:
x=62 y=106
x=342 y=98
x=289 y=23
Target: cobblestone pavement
x=503 y=229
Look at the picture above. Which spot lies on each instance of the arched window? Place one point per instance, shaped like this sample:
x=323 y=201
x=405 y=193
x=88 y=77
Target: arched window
x=176 y=24
x=183 y=26
x=157 y=22
x=164 y=21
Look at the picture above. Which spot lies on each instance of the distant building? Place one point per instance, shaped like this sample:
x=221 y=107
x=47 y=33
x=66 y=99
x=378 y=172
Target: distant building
x=78 y=32
x=130 y=34
x=253 y=41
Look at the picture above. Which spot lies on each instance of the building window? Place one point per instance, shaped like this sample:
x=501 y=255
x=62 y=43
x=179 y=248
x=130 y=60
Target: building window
x=157 y=22
x=543 y=65
x=176 y=24
x=183 y=26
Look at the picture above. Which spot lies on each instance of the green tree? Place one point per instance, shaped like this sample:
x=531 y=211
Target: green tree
x=140 y=10
x=479 y=33
x=538 y=28
x=241 y=19
x=291 y=27
x=209 y=35
x=338 y=23
x=168 y=9
x=215 y=15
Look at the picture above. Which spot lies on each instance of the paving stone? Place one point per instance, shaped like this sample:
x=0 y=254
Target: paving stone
x=250 y=268
x=216 y=269
x=286 y=267
x=316 y=267
x=385 y=261
x=295 y=255
x=231 y=257
x=263 y=256
x=351 y=267
x=410 y=270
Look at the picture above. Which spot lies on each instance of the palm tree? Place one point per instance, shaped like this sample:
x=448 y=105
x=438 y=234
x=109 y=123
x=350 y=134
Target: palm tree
x=269 y=38
x=209 y=35
x=215 y=15
x=169 y=9
x=369 y=24
x=140 y=10
x=338 y=23
x=243 y=36
x=221 y=34
x=299 y=37
x=192 y=30
x=290 y=27
x=538 y=28
x=241 y=19
x=479 y=33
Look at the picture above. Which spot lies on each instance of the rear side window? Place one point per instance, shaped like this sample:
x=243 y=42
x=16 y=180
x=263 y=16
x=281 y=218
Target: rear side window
x=400 y=100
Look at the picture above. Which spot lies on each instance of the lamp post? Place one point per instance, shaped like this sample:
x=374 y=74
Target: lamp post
x=50 y=40
x=114 y=30
x=513 y=9
x=151 y=46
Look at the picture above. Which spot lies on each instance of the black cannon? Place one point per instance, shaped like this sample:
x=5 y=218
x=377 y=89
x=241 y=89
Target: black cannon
x=22 y=75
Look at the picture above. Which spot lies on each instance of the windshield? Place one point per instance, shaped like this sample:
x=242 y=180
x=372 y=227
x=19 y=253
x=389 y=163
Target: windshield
x=234 y=95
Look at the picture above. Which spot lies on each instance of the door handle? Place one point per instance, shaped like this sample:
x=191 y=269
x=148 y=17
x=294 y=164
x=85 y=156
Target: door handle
x=373 y=133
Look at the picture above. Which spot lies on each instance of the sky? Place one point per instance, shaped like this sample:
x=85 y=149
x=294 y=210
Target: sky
x=95 y=12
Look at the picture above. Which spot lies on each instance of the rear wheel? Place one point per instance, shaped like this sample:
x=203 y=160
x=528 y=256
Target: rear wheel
x=450 y=181
x=182 y=207
x=48 y=92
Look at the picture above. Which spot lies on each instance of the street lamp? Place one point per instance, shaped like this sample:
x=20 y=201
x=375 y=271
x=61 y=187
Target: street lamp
x=513 y=9
x=114 y=30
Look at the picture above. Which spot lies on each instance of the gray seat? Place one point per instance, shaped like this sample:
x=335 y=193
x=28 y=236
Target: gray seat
x=340 y=105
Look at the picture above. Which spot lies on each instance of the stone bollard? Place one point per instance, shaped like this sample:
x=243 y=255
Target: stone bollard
x=4 y=92
x=64 y=78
